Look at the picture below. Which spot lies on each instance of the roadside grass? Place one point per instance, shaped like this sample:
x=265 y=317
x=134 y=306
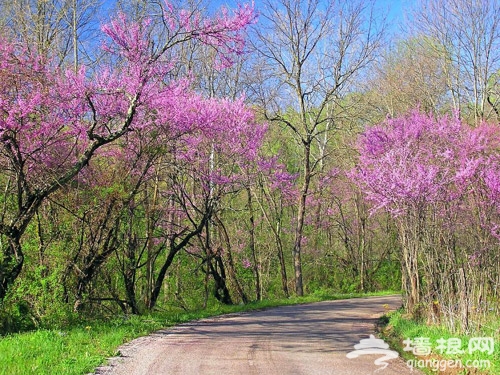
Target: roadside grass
x=400 y=328
x=80 y=349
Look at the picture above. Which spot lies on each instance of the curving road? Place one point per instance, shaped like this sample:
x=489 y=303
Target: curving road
x=303 y=339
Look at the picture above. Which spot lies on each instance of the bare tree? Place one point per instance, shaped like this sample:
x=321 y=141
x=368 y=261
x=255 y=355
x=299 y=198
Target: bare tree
x=465 y=35
x=311 y=53
x=62 y=29
x=407 y=77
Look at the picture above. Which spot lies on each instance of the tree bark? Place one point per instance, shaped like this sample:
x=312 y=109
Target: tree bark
x=174 y=249
x=252 y=245
x=11 y=264
x=299 y=229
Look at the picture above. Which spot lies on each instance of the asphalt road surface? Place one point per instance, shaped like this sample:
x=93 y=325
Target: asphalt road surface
x=304 y=339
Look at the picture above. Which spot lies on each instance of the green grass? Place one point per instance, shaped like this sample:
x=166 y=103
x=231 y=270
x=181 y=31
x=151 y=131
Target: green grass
x=400 y=328
x=79 y=350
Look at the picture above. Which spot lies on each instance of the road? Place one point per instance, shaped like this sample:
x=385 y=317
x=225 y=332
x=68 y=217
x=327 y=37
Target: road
x=302 y=339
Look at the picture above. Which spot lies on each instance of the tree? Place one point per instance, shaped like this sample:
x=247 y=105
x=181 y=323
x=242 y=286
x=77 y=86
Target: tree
x=437 y=177
x=407 y=77
x=404 y=177
x=54 y=121
x=465 y=38
x=310 y=54
x=207 y=164
x=62 y=29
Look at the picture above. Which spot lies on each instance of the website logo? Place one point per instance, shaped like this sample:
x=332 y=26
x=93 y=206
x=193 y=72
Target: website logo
x=374 y=346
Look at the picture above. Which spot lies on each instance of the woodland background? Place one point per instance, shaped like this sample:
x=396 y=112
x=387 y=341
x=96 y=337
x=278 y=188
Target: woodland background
x=163 y=156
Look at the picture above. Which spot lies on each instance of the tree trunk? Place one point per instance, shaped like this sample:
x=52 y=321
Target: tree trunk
x=410 y=271
x=281 y=257
x=252 y=246
x=174 y=249
x=218 y=272
x=11 y=264
x=129 y=273
x=299 y=229
x=277 y=237
x=232 y=270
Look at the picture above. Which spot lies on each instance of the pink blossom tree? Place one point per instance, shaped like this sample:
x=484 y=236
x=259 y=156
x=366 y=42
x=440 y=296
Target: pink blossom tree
x=206 y=164
x=53 y=121
x=438 y=178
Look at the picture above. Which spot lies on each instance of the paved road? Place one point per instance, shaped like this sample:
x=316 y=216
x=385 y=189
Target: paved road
x=305 y=339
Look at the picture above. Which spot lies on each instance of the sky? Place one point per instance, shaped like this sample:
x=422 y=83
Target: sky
x=394 y=9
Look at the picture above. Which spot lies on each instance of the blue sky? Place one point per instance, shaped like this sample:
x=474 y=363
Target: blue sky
x=396 y=6
x=393 y=8
x=395 y=11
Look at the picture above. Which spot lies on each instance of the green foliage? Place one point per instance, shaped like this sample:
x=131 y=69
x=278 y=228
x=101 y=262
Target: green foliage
x=36 y=301
x=76 y=350
x=15 y=316
x=388 y=276
x=400 y=327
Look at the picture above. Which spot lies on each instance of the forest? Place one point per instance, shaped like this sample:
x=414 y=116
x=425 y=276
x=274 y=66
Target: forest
x=160 y=155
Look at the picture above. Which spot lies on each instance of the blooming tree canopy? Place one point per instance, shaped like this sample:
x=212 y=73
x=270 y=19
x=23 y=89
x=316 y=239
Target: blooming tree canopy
x=436 y=177
x=53 y=121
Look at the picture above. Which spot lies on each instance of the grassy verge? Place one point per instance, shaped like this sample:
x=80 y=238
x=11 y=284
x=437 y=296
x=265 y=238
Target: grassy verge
x=442 y=343
x=80 y=349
